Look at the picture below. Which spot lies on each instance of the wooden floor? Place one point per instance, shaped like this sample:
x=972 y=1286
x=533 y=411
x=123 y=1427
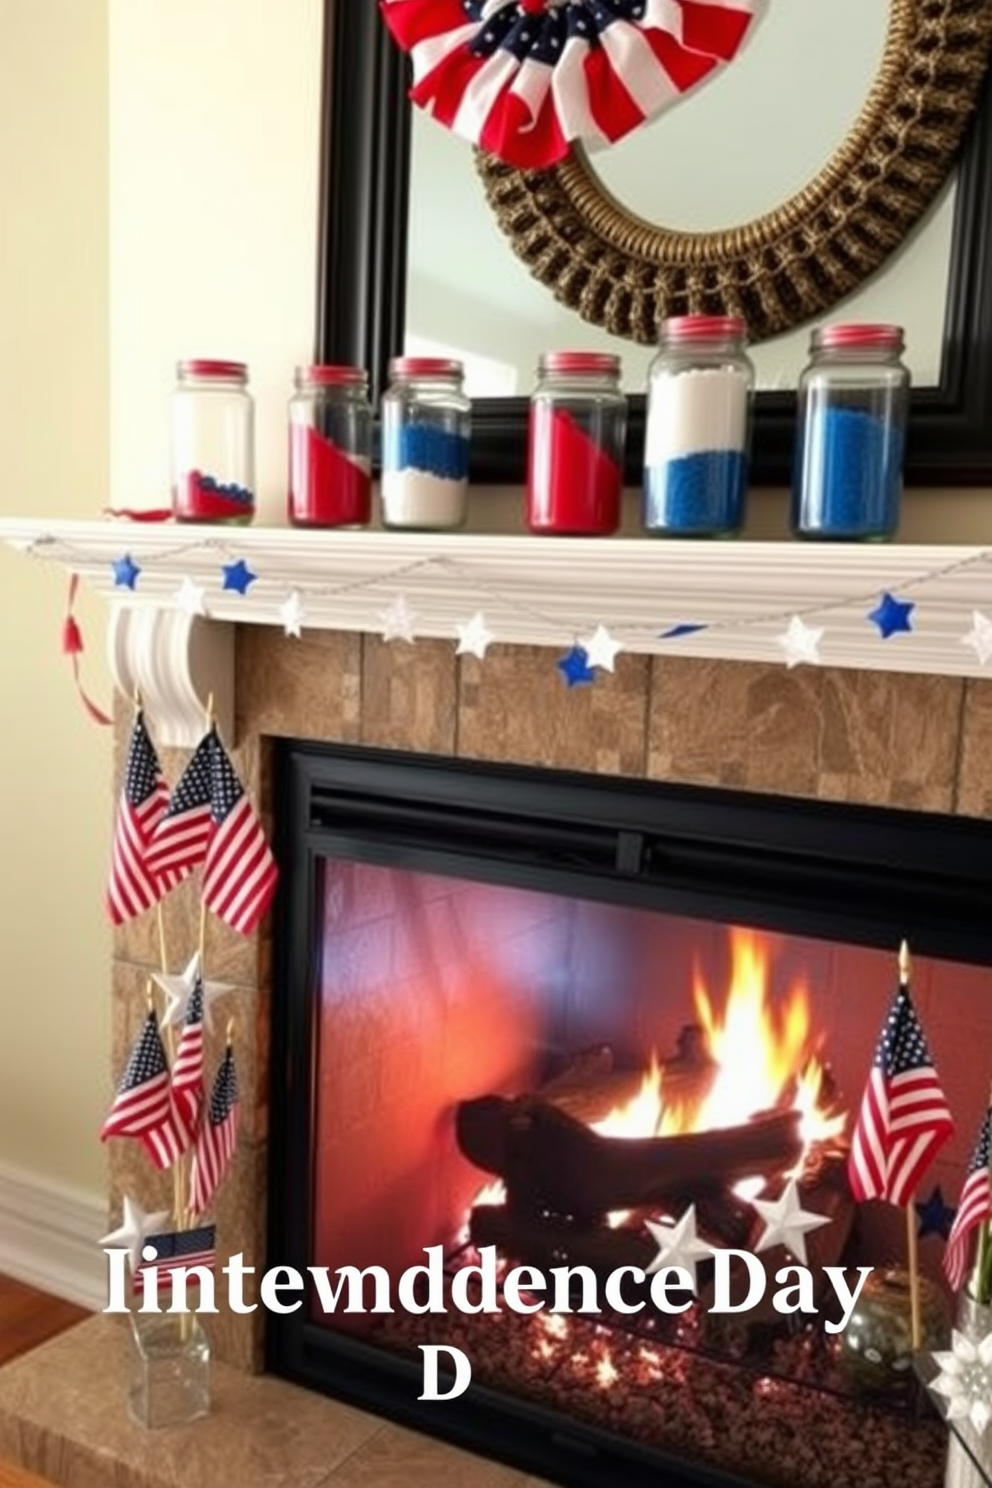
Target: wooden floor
x=27 y=1318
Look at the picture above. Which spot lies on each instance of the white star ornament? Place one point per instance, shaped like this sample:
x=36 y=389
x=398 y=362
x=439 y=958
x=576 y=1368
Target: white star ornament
x=179 y=990
x=398 y=621
x=134 y=1230
x=979 y=637
x=601 y=649
x=292 y=615
x=474 y=638
x=191 y=598
x=678 y=1244
x=800 y=643
x=787 y=1222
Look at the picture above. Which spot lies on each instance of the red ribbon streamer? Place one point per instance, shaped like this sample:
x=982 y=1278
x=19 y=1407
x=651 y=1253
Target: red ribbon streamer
x=72 y=645
x=156 y=514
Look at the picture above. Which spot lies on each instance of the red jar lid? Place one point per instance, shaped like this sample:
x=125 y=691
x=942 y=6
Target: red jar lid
x=889 y=337
x=328 y=375
x=703 y=327
x=204 y=367
x=580 y=361
x=414 y=366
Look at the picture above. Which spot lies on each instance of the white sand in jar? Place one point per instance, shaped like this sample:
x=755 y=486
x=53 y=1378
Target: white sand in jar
x=412 y=498
x=689 y=412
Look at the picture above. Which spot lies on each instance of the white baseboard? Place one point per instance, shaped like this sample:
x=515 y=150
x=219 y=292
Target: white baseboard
x=49 y=1235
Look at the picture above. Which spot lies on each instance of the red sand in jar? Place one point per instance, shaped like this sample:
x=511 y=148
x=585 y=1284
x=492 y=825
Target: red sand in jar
x=573 y=486
x=327 y=488
x=197 y=497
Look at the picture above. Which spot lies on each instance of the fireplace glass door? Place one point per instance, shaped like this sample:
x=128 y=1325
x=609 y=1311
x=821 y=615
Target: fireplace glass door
x=524 y=1086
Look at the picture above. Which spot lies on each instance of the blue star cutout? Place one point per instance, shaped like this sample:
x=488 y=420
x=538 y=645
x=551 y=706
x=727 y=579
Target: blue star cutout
x=892 y=615
x=126 y=572
x=936 y=1217
x=238 y=576
x=575 y=668
x=679 y=630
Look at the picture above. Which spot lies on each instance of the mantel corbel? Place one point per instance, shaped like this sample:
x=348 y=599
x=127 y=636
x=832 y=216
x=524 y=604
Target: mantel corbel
x=178 y=663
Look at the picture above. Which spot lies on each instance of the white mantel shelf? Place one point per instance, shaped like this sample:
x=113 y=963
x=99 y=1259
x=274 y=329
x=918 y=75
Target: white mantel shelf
x=539 y=591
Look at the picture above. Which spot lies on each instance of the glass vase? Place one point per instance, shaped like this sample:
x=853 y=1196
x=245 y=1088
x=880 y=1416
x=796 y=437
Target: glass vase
x=975 y=1322
x=170 y=1369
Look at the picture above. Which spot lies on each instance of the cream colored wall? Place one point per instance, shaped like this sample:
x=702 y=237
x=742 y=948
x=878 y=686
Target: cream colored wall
x=214 y=114
x=54 y=763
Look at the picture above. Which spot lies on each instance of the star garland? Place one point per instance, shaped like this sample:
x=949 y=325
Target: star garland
x=592 y=652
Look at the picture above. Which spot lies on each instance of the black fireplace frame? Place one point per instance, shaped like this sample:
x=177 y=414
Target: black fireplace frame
x=866 y=875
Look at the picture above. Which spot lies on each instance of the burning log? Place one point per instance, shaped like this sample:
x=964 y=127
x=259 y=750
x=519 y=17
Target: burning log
x=553 y=1163
x=591 y=1086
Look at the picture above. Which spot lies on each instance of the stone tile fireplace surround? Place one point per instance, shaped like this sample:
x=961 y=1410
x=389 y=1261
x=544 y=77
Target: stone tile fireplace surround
x=916 y=742
x=897 y=739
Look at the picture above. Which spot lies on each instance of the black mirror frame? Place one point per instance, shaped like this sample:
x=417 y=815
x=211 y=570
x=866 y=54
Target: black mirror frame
x=361 y=277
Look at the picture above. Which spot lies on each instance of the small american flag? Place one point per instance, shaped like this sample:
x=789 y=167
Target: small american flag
x=176 y=1249
x=974 y=1206
x=210 y=820
x=240 y=873
x=133 y=886
x=142 y=1106
x=904 y=1118
x=187 y=1069
x=179 y=841
x=218 y=1137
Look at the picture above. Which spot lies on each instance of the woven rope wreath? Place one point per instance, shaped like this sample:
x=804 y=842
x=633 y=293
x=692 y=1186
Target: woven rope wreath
x=779 y=270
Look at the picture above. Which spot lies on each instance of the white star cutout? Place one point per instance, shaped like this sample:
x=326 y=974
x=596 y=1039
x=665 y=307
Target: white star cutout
x=786 y=1222
x=191 y=597
x=601 y=649
x=979 y=638
x=397 y=621
x=965 y=1379
x=800 y=643
x=136 y=1227
x=292 y=615
x=179 y=990
x=474 y=638
x=678 y=1244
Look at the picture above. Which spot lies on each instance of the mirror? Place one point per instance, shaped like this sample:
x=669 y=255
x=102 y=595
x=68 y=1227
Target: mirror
x=395 y=184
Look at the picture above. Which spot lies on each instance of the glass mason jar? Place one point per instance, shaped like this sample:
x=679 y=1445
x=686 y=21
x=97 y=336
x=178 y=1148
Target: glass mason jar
x=330 y=448
x=697 y=437
x=426 y=427
x=170 y=1369
x=213 y=443
x=578 y=422
x=853 y=403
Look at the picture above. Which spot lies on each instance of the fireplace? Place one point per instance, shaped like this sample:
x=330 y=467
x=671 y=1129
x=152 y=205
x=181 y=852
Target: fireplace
x=524 y=1012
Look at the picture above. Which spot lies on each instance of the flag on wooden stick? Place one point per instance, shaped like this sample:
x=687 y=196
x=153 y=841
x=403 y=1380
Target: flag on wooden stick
x=904 y=1118
x=142 y=1107
x=210 y=820
x=974 y=1206
x=134 y=885
x=217 y=1138
x=187 y=1070
x=176 y=1250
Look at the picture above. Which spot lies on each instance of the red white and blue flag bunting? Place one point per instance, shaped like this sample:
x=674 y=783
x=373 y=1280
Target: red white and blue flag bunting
x=525 y=78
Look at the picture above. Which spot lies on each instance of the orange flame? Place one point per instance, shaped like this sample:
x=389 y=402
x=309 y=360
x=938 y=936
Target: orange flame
x=765 y=1056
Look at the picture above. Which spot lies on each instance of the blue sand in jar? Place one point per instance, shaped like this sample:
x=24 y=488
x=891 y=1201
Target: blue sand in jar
x=698 y=493
x=848 y=474
x=434 y=451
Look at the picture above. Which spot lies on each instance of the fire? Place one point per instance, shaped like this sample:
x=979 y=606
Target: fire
x=645 y=1114
x=764 y=1057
